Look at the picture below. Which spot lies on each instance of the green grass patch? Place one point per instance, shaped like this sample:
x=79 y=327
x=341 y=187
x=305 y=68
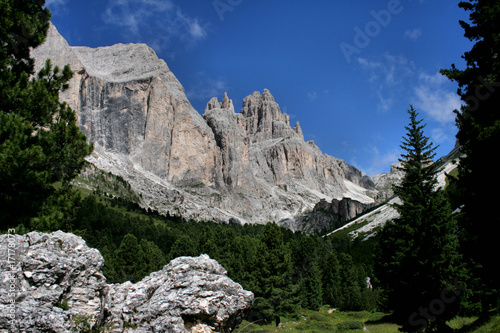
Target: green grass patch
x=492 y=326
x=326 y=321
x=352 y=322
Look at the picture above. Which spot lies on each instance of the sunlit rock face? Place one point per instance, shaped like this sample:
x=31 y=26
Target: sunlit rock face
x=248 y=167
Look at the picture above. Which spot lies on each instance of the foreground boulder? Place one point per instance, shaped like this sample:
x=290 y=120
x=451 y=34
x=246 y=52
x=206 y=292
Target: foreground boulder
x=54 y=283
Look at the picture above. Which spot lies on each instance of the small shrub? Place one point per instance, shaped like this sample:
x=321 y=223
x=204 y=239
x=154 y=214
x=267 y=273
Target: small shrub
x=82 y=324
x=63 y=305
x=350 y=325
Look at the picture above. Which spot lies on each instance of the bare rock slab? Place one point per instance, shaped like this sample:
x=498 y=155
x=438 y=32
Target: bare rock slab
x=54 y=283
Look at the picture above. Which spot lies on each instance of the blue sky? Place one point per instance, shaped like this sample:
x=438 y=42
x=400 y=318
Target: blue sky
x=346 y=70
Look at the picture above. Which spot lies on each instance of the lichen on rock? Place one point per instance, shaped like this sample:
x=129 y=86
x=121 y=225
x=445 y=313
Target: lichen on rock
x=54 y=283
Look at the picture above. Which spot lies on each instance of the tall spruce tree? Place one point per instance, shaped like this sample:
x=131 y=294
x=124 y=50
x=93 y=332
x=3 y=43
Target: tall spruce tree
x=417 y=257
x=40 y=143
x=478 y=125
x=276 y=291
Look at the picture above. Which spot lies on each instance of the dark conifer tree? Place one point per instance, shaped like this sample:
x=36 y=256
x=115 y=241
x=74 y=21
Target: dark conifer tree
x=330 y=268
x=40 y=143
x=130 y=264
x=184 y=246
x=417 y=255
x=310 y=288
x=154 y=257
x=277 y=287
x=478 y=125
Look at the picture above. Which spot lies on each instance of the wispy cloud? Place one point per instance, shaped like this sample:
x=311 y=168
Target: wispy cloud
x=156 y=22
x=50 y=3
x=379 y=162
x=203 y=88
x=435 y=97
x=56 y=6
x=387 y=75
x=312 y=96
x=413 y=33
x=393 y=78
x=440 y=135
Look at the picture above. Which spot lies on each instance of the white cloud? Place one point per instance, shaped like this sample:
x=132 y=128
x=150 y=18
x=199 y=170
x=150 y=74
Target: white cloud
x=442 y=135
x=387 y=75
x=379 y=161
x=385 y=102
x=312 y=96
x=156 y=22
x=196 y=29
x=203 y=88
x=434 y=96
x=413 y=33
x=369 y=64
x=50 y=3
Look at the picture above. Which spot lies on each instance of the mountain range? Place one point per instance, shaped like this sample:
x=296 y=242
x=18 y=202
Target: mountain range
x=249 y=166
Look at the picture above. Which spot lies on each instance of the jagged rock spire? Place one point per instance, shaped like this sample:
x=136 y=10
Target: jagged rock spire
x=298 y=130
x=219 y=166
x=226 y=102
x=214 y=103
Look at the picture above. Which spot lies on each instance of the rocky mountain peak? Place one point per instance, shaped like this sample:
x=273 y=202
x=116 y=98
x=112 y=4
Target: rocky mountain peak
x=121 y=62
x=263 y=118
x=226 y=102
x=214 y=103
x=250 y=166
x=297 y=129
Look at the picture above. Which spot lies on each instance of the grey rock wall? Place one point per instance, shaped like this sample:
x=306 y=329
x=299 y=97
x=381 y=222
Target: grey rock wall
x=334 y=214
x=249 y=166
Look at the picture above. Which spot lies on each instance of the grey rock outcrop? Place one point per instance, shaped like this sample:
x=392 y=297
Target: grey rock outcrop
x=249 y=166
x=334 y=214
x=385 y=181
x=266 y=162
x=54 y=283
x=131 y=105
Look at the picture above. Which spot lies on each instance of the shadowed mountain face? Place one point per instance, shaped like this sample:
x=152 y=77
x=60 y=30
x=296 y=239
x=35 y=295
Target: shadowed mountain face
x=250 y=166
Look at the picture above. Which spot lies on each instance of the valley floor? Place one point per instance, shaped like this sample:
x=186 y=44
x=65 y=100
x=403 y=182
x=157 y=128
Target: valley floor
x=354 y=322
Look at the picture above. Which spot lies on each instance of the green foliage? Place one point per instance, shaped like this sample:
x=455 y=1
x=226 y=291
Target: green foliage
x=418 y=252
x=82 y=324
x=183 y=246
x=87 y=324
x=311 y=288
x=105 y=183
x=324 y=320
x=23 y=26
x=478 y=125
x=286 y=271
x=40 y=143
x=63 y=305
x=350 y=325
x=129 y=259
x=59 y=210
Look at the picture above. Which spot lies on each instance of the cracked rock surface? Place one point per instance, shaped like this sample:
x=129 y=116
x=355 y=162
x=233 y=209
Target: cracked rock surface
x=249 y=166
x=54 y=283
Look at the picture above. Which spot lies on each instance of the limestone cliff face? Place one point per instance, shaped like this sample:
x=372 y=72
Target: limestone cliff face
x=249 y=166
x=266 y=163
x=130 y=103
x=385 y=181
x=334 y=214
